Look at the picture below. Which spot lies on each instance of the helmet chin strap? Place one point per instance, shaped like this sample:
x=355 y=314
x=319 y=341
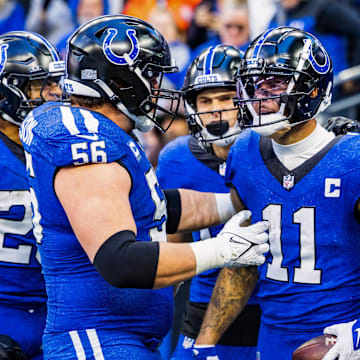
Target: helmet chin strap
x=267 y=130
x=142 y=123
x=228 y=137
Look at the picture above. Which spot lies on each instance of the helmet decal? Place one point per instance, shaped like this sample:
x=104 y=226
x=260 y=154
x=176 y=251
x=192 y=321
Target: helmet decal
x=47 y=44
x=127 y=58
x=208 y=74
x=254 y=59
x=208 y=62
x=320 y=69
x=3 y=56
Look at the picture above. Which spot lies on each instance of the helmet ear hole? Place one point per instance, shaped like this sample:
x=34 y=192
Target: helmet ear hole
x=314 y=93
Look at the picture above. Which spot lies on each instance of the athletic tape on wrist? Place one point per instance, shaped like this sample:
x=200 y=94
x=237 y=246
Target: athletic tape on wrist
x=224 y=206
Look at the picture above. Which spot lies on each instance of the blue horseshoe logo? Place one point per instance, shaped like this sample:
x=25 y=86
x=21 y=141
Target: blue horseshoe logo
x=3 y=56
x=116 y=59
x=320 y=69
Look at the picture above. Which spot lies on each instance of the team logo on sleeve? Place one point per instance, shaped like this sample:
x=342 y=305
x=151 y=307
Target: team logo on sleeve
x=127 y=58
x=3 y=56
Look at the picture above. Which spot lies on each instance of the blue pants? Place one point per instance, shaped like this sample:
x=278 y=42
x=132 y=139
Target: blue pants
x=183 y=351
x=92 y=344
x=275 y=344
x=25 y=326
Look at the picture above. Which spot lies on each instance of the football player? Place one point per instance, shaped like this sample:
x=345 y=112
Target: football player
x=100 y=216
x=303 y=180
x=30 y=69
x=198 y=162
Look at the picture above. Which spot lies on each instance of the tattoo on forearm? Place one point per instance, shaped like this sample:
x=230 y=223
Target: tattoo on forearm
x=231 y=293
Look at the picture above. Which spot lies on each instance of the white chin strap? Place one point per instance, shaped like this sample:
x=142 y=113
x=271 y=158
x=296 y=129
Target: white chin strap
x=267 y=130
x=228 y=137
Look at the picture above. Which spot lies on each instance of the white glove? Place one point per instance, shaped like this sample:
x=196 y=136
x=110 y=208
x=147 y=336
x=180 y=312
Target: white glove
x=347 y=345
x=235 y=245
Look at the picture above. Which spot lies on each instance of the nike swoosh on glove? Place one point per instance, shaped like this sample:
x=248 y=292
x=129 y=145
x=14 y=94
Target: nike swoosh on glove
x=347 y=345
x=244 y=245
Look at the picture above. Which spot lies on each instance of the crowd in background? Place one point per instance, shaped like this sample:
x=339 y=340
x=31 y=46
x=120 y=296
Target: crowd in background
x=192 y=25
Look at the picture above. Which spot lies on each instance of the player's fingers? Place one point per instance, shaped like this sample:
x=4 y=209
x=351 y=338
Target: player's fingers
x=259 y=260
x=261 y=249
x=242 y=216
x=331 y=330
x=332 y=354
x=259 y=227
x=261 y=238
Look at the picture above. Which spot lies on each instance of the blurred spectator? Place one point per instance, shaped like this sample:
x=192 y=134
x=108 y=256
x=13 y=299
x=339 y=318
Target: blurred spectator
x=178 y=128
x=182 y=10
x=50 y=18
x=259 y=24
x=354 y=47
x=162 y=19
x=84 y=10
x=333 y=22
x=233 y=28
x=81 y=12
x=116 y=6
x=153 y=141
x=204 y=24
x=12 y=16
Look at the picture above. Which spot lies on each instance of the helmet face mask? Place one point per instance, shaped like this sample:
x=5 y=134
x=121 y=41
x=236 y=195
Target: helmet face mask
x=123 y=59
x=285 y=79
x=214 y=69
x=29 y=64
x=217 y=132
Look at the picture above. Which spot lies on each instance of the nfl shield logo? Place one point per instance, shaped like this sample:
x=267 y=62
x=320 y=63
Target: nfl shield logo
x=222 y=169
x=288 y=181
x=188 y=342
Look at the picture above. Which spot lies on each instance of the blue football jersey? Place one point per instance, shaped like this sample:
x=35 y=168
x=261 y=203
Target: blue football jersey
x=57 y=135
x=311 y=277
x=21 y=281
x=184 y=164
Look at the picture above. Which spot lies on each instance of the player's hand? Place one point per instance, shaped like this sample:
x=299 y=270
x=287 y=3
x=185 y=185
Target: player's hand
x=341 y=125
x=347 y=345
x=244 y=245
x=204 y=352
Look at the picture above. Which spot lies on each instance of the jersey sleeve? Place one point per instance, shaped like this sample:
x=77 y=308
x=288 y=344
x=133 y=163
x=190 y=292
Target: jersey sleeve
x=170 y=167
x=68 y=136
x=237 y=160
